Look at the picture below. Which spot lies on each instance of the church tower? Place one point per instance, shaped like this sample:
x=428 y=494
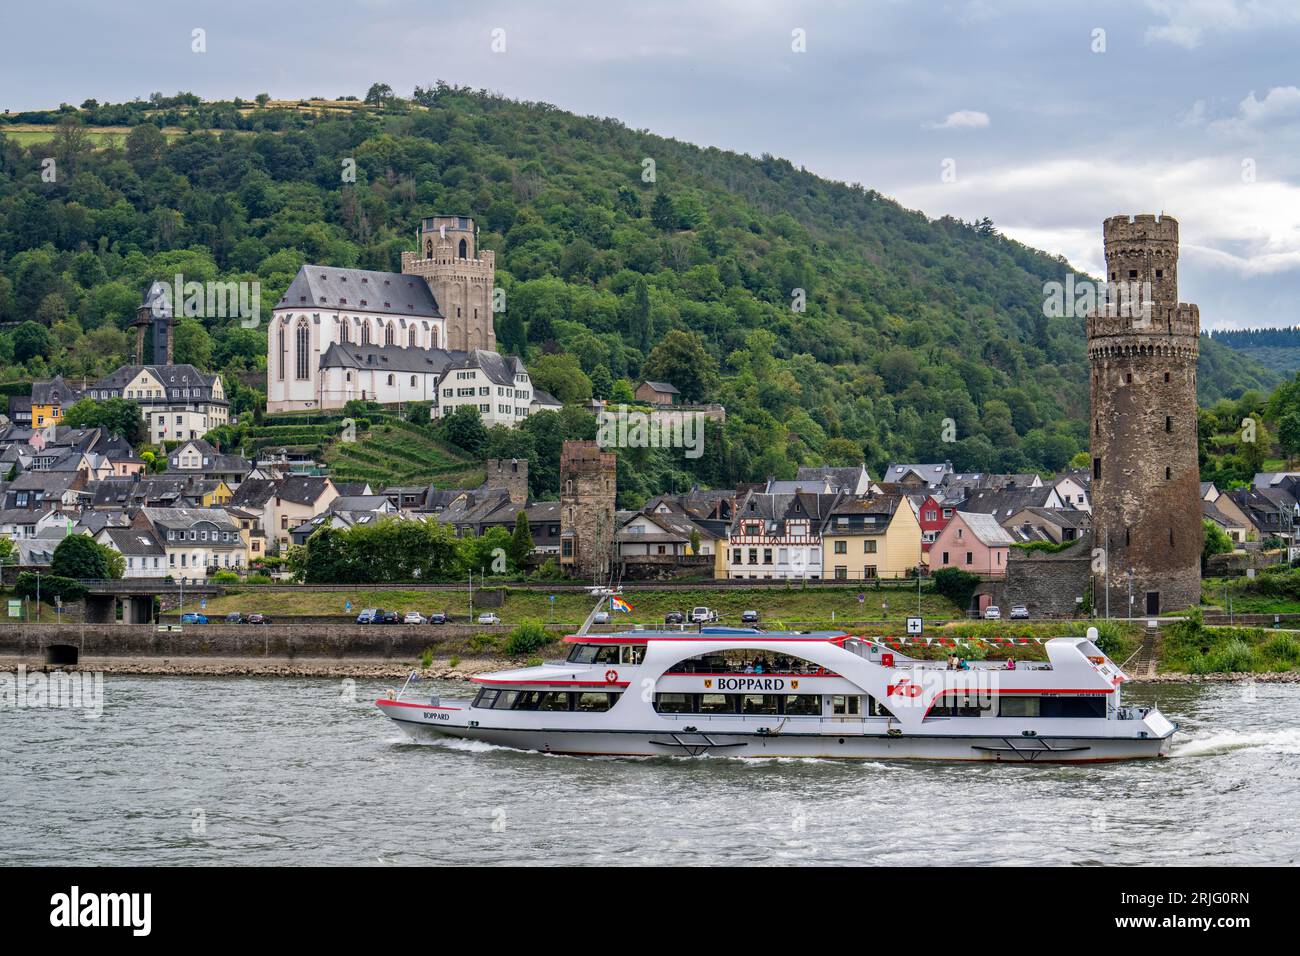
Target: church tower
x=460 y=277
x=1142 y=349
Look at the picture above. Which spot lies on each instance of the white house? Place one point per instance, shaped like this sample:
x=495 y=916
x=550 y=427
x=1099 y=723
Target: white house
x=177 y=401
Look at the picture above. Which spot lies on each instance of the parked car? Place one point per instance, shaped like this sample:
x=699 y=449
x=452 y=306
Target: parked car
x=437 y=617
x=1019 y=612
x=489 y=617
x=257 y=619
x=602 y=617
x=234 y=617
x=993 y=613
x=413 y=617
x=194 y=617
x=674 y=617
x=703 y=615
x=749 y=617
x=391 y=617
x=371 y=615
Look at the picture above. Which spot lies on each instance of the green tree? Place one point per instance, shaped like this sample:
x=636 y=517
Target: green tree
x=1288 y=434
x=119 y=416
x=32 y=340
x=192 y=345
x=562 y=376
x=640 y=325
x=682 y=360
x=662 y=212
x=464 y=428
x=378 y=94
x=1214 y=541
x=521 y=542
x=79 y=557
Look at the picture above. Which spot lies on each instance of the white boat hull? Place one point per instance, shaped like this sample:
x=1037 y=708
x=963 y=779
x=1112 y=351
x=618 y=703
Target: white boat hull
x=790 y=745
x=817 y=695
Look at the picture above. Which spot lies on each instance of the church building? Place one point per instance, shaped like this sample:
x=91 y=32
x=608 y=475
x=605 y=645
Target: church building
x=424 y=334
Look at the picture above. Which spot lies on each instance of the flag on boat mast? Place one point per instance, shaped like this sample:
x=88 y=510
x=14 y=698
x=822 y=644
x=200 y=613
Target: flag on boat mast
x=616 y=603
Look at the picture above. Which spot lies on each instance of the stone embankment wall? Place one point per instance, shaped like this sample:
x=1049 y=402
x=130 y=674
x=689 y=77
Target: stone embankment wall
x=234 y=640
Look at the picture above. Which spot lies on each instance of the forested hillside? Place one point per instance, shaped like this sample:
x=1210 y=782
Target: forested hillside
x=1276 y=349
x=611 y=274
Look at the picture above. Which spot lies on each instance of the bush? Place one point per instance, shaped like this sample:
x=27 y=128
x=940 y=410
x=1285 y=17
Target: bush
x=258 y=579
x=51 y=585
x=482 y=643
x=225 y=577
x=526 y=638
x=956 y=585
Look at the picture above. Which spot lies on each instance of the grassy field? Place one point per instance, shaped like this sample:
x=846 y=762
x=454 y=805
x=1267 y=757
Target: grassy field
x=1269 y=593
x=395 y=452
x=1192 y=648
x=828 y=607
x=25 y=134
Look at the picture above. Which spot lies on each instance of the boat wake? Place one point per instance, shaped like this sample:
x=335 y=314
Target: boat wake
x=1277 y=741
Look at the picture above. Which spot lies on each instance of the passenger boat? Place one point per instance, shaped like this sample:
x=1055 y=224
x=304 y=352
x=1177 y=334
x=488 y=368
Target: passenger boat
x=745 y=693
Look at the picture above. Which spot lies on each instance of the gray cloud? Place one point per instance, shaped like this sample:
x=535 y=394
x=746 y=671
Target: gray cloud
x=1185 y=97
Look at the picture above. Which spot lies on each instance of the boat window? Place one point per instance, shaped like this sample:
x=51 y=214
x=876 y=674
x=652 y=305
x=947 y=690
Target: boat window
x=876 y=709
x=596 y=700
x=749 y=661
x=962 y=705
x=555 y=700
x=803 y=705
x=607 y=654
x=846 y=705
x=674 y=703
x=583 y=653
x=717 y=703
x=631 y=653
x=1018 y=706
x=505 y=700
x=486 y=697
x=528 y=700
x=794 y=705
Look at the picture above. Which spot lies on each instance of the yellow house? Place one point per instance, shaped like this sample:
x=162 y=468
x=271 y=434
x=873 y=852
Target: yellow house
x=218 y=496
x=877 y=538
x=49 y=399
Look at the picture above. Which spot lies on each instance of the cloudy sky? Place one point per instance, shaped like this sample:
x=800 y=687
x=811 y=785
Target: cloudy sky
x=1054 y=114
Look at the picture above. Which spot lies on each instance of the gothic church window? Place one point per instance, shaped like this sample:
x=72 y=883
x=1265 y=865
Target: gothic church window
x=302 y=349
x=464 y=249
x=410 y=337
x=388 y=334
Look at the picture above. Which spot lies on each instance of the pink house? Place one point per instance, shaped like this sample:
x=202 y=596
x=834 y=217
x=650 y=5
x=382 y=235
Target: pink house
x=972 y=542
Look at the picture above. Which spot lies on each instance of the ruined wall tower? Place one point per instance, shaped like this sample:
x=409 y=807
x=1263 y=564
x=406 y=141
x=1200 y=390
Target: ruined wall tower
x=1146 y=509
x=511 y=475
x=587 y=513
x=461 y=278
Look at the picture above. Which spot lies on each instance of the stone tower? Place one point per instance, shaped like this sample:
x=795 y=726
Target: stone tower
x=587 y=478
x=461 y=279
x=153 y=327
x=1146 y=508
x=510 y=475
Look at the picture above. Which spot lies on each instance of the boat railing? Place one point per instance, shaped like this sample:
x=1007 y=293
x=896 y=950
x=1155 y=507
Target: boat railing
x=1130 y=712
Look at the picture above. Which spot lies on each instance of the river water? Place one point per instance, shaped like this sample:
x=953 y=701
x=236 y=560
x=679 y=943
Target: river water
x=282 y=771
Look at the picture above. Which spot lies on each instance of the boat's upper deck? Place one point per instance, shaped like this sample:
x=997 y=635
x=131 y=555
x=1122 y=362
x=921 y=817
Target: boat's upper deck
x=746 y=635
